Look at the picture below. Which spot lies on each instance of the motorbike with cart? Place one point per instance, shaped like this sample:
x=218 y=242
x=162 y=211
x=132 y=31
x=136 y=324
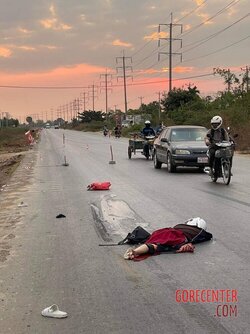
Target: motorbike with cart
x=145 y=144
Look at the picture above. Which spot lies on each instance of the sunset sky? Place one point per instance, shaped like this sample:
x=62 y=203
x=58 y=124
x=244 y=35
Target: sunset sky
x=51 y=52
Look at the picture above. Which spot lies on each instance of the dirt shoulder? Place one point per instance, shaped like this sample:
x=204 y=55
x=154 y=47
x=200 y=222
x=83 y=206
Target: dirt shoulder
x=8 y=164
x=13 y=147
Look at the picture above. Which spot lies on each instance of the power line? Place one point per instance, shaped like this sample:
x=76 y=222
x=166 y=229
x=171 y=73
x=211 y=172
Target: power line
x=157 y=49
x=204 y=40
x=191 y=12
x=216 y=51
x=232 y=3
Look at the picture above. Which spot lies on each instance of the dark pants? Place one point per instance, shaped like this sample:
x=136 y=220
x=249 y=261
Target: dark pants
x=211 y=156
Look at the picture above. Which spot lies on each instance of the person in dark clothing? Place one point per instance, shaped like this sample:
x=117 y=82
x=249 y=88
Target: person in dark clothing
x=215 y=135
x=159 y=128
x=148 y=130
x=117 y=131
x=181 y=238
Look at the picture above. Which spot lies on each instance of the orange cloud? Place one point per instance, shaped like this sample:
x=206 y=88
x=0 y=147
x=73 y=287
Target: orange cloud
x=59 y=76
x=204 y=18
x=199 y=2
x=148 y=71
x=155 y=35
x=118 y=42
x=27 y=48
x=24 y=31
x=231 y=11
x=5 y=52
x=165 y=69
x=54 y=23
x=183 y=69
x=187 y=27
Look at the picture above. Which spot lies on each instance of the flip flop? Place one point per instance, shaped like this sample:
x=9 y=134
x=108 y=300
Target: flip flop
x=53 y=312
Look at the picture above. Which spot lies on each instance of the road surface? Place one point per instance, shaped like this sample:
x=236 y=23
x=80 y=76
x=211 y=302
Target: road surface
x=45 y=260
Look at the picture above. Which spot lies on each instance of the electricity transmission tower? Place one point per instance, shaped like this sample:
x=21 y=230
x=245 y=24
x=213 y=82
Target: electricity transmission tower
x=104 y=85
x=93 y=95
x=124 y=76
x=84 y=97
x=170 y=53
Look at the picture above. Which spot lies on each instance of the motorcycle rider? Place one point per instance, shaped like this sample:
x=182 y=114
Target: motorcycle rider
x=147 y=131
x=215 y=135
x=105 y=130
x=117 y=131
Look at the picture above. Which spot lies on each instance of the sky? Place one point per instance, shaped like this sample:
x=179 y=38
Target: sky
x=53 y=53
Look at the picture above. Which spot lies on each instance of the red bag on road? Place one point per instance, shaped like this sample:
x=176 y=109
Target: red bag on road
x=99 y=186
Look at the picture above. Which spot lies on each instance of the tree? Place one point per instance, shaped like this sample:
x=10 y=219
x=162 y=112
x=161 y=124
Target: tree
x=178 y=97
x=88 y=116
x=229 y=77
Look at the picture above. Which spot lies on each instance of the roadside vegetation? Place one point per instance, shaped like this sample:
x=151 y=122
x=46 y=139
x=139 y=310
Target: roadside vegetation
x=186 y=106
x=12 y=139
x=180 y=106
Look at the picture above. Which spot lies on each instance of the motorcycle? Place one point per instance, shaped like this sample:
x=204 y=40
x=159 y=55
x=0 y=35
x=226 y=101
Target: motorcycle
x=222 y=162
x=148 y=147
x=105 y=132
x=117 y=133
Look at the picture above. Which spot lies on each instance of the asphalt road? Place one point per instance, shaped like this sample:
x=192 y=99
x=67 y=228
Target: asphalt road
x=59 y=261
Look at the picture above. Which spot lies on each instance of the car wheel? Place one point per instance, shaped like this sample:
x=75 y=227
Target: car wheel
x=157 y=163
x=170 y=165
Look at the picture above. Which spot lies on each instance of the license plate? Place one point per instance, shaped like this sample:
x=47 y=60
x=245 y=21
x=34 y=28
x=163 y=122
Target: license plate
x=202 y=160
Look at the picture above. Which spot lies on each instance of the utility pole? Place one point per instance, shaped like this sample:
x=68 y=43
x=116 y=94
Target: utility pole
x=159 y=101
x=170 y=39
x=124 y=76
x=85 y=98
x=141 y=97
x=106 y=82
x=93 y=95
x=77 y=107
x=52 y=114
x=71 y=105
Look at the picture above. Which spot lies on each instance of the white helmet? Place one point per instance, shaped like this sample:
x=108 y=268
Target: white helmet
x=197 y=221
x=147 y=122
x=216 y=122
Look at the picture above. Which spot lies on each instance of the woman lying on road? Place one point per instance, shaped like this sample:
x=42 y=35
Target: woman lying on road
x=181 y=239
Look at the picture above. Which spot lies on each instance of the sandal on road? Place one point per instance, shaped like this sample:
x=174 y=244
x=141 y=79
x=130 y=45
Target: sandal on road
x=53 y=312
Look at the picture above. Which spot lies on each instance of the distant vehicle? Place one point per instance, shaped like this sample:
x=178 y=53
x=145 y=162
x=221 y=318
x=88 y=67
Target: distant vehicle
x=181 y=145
x=56 y=126
x=126 y=123
x=47 y=126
